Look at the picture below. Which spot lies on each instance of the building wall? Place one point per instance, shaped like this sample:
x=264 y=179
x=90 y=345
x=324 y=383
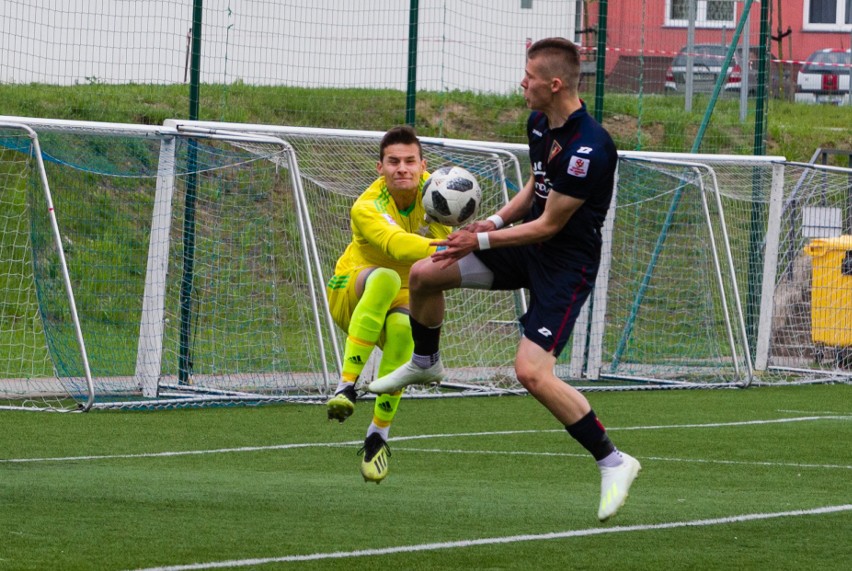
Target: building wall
x=477 y=45
x=639 y=27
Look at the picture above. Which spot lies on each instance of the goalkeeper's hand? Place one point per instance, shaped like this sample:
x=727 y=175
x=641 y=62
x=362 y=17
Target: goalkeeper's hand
x=454 y=247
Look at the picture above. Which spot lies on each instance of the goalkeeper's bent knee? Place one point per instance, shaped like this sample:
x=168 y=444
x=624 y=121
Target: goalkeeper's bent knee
x=368 y=318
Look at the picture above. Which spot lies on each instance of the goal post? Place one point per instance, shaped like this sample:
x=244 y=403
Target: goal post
x=150 y=348
x=673 y=313
x=22 y=161
x=256 y=331
x=806 y=325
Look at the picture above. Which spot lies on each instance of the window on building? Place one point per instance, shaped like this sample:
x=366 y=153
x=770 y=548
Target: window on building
x=828 y=15
x=708 y=13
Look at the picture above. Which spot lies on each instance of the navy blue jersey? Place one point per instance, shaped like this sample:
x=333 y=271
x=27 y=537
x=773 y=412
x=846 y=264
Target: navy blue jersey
x=578 y=159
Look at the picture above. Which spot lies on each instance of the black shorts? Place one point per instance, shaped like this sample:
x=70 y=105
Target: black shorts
x=558 y=289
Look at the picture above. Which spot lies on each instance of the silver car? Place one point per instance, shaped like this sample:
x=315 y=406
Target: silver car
x=707 y=63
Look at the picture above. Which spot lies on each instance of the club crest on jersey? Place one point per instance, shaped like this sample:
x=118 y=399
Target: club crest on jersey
x=555 y=148
x=578 y=166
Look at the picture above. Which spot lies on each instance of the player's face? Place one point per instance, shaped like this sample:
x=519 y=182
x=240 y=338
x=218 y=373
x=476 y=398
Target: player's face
x=537 y=85
x=402 y=167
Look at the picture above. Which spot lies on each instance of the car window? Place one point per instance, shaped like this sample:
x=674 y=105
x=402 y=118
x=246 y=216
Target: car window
x=828 y=62
x=704 y=55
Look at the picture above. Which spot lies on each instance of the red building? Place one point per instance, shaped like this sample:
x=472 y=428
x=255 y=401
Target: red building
x=644 y=35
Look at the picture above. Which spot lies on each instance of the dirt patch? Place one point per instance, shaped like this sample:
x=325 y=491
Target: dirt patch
x=626 y=133
x=452 y=119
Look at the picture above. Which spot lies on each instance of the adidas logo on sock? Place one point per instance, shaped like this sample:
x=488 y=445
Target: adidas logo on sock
x=355 y=359
x=385 y=406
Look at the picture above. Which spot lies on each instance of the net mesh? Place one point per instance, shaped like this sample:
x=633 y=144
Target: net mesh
x=23 y=349
x=242 y=324
x=671 y=304
x=811 y=321
x=693 y=240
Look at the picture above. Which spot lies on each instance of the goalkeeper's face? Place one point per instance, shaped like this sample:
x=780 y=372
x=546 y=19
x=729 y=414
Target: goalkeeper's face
x=402 y=166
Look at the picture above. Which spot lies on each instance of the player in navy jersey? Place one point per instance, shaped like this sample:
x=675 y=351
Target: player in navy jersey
x=554 y=253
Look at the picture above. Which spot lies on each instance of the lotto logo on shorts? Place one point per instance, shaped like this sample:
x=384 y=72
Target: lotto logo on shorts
x=578 y=166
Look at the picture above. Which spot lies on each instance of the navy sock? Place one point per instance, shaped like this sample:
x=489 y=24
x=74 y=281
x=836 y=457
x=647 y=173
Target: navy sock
x=426 y=339
x=591 y=434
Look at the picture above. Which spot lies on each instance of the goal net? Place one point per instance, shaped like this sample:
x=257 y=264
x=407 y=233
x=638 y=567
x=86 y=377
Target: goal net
x=30 y=245
x=189 y=263
x=481 y=332
x=198 y=254
x=725 y=271
x=808 y=332
x=673 y=310
x=667 y=311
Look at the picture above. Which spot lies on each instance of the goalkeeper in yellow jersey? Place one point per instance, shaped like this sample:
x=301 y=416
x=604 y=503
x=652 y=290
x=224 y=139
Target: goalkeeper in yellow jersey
x=368 y=294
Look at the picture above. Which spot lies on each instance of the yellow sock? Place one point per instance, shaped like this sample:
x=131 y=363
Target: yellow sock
x=396 y=351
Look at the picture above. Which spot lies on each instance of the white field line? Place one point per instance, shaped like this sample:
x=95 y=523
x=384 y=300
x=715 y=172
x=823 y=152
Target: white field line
x=464 y=543
x=395 y=440
x=828 y=412
x=656 y=458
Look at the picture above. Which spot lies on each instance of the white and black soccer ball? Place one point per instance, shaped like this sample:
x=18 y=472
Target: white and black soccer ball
x=452 y=196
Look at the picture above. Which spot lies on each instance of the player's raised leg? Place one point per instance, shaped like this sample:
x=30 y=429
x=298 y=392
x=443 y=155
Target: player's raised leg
x=365 y=326
x=396 y=350
x=427 y=283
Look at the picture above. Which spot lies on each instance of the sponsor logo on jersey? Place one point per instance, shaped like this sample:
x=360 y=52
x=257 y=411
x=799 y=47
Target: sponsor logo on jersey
x=389 y=218
x=584 y=150
x=555 y=148
x=537 y=133
x=578 y=166
x=545 y=332
x=542 y=189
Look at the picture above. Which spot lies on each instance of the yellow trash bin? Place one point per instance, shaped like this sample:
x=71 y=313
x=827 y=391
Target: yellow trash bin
x=831 y=290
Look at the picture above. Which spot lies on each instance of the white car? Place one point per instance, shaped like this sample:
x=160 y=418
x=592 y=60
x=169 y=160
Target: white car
x=824 y=78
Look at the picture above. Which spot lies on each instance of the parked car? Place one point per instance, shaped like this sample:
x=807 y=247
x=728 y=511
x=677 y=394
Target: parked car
x=707 y=63
x=824 y=78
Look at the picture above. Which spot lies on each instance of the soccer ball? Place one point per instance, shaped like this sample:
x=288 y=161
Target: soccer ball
x=451 y=196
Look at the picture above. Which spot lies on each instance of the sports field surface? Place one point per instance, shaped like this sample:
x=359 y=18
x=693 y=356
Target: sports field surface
x=732 y=479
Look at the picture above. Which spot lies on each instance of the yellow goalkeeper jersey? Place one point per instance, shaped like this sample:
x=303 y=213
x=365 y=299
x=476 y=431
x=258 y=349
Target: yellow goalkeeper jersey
x=383 y=236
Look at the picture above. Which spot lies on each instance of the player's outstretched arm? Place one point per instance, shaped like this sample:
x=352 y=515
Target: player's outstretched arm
x=557 y=211
x=511 y=212
x=384 y=234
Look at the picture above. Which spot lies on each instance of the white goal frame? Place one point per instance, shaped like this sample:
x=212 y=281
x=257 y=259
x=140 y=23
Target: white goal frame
x=585 y=358
x=10 y=123
x=585 y=365
x=465 y=382
x=156 y=389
